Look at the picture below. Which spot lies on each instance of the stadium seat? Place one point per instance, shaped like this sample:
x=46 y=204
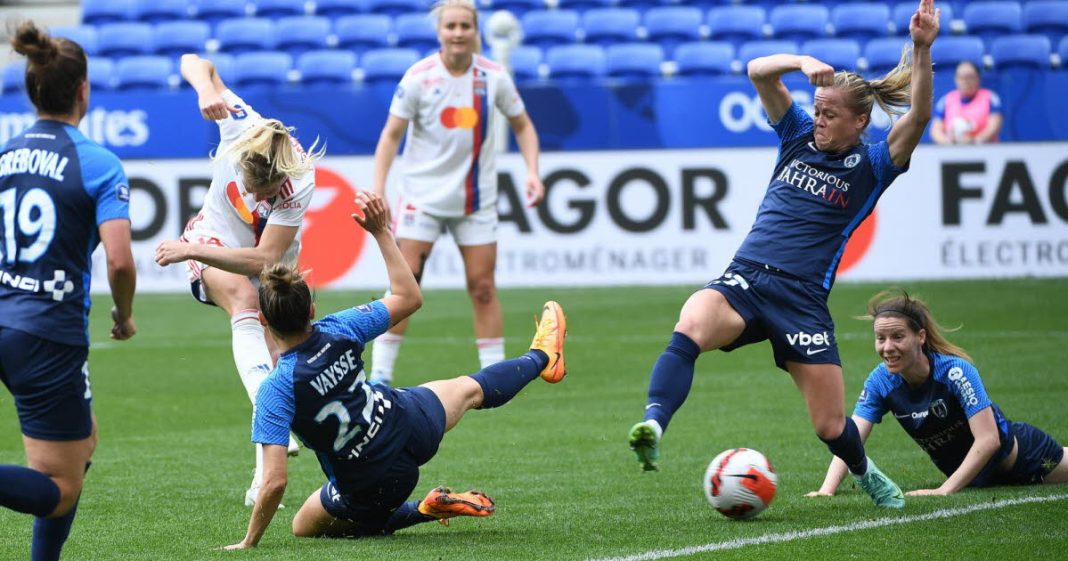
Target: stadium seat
x=903 y=14
x=101 y=73
x=155 y=11
x=122 y=39
x=799 y=22
x=395 y=8
x=1021 y=51
x=584 y=5
x=884 y=54
x=671 y=25
x=640 y=5
x=736 y=24
x=214 y=11
x=992 y=19
x=298 y=34
x=175 y=38
x=224 y=65
x=1049 y=17
x=241 y=35
x=15 y=76
x=143 y=73
x=96 y=12
x=387 y=65
x=703 y=58
x=546 y=28
x=84 y=35
x=416 y=31
x=948 y=51
x=604 y=26
x=278 y=8
x=519 y=7
x=362 y=32
x=1062 y=50
x=634 y=60
x=335 y=9
x=326 y=66
x=861 y=21
x=842 y=54
x=575 y=62
x=262 y=68
x=525 y=61
x=756 y=49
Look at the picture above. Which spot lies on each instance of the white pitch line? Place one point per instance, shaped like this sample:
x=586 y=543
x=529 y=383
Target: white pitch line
x=815 y=532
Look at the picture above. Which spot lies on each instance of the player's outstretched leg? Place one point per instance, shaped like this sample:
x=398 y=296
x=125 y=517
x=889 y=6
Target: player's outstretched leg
x=549 y=339
x=443 y=504
x=882 y=490
x=669 y=384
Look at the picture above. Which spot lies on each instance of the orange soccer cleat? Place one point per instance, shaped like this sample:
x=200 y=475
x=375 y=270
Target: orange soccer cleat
x=442 y=503
x=549 y=339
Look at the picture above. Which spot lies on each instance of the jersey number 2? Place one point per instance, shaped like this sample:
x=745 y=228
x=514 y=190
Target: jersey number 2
x=32 y=217
x=337 y=409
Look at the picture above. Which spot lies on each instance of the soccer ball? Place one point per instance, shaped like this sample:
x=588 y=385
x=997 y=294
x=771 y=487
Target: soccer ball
x=740 y=483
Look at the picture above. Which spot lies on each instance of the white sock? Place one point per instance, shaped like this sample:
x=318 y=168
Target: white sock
x=383 y=355
x=656 y=427
x=490 y=351
x=257 y=476
x=251 y=356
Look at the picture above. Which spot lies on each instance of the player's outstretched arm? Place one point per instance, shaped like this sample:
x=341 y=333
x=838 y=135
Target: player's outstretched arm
x=404 y=296
x=122 y=276
x=275 y=476
x=247 y=261
x=766 y=75
x=908 y=130
x=987 y=442
x=837 y=471
x=201 y=74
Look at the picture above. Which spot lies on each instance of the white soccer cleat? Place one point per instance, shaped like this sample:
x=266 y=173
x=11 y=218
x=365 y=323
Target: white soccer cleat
x=293 y=449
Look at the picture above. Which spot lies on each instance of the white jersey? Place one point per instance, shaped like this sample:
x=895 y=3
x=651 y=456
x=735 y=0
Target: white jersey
x=449 y=154
x=231 y=216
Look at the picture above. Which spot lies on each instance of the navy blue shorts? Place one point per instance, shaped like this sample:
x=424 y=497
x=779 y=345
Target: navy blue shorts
x=373 y=504
x=50 y=382
x=781 y=308
x=1037 y=454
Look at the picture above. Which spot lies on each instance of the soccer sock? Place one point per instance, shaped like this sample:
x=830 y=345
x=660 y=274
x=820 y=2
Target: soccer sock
x=27 y=490
x=257 y=476
x=502 y=381
x=849 y=447
x=251 y=356
x=671 y=379
x=49 y=535
x=490 y=351
x=383 y=355
x=407 y=515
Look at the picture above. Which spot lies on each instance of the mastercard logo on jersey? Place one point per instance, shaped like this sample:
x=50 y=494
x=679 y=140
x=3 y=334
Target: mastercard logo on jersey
x=459 y=117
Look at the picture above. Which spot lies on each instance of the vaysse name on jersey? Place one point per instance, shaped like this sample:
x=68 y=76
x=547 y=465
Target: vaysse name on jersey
x=815 y=201
x=56 y=188
x=935 y=414
x=450 y=150
x=320 y=392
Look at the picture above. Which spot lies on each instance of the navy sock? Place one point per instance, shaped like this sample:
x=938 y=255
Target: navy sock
x=671 y=379
x=407 y=515
x=849 y=447
x=502 y=381
x=27 y=490
x=49 y=535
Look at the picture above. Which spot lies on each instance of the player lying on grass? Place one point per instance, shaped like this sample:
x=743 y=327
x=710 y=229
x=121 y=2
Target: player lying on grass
x=935 y=393
x=370 y=439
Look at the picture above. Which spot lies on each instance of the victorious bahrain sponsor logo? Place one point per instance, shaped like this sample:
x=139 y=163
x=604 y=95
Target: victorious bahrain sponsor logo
x=332 y=242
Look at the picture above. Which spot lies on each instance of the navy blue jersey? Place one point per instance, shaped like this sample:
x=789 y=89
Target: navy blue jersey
x=319 y=391
x=936 y=414
x=56 y=188
x=815 y=201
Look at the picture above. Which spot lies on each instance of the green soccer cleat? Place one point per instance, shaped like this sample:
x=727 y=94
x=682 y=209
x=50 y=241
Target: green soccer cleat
x=884 y=492
x=645 y=441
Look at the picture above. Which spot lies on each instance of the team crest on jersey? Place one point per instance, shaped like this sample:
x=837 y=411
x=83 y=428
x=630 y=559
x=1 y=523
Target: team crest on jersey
x=399 y=92
x=852 y=161
x=479 y=83
x=939 y=409
x=122 y=192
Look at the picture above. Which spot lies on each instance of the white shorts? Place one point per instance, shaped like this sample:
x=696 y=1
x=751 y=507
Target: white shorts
x=477 y=228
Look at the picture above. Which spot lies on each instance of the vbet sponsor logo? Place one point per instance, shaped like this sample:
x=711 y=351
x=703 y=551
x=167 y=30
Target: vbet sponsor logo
x=116 y=128
x=802 y=339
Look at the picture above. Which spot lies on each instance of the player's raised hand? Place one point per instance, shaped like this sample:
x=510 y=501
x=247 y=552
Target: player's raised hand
x=819 y=73
x=214 y=108
x=923 y=27
x=171 y=251
x=375 y=212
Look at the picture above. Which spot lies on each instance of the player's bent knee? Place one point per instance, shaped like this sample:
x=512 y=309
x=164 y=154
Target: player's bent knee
x=829 y=428
x=482 y=291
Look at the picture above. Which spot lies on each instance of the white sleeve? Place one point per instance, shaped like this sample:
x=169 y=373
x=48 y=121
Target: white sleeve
x=506 y=98
x=290 y=211
x=237 y=123
x=405 y=102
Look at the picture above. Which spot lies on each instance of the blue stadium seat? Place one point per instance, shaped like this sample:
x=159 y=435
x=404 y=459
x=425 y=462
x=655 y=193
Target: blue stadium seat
x=948 y=51
x=736 y=24
x=95 y=12
x=101 y=73
x=155 y=11
x=584 y=5
x=1049 y=17
x=756 y=49
x=1021 y=51
x=143 y=73
x=546 y=28
x=705 y=58
x=362 y=32
x=416 y=31
x=394 y=8
x=84 y=35
x=611 y=25
x=992 y=19
x=842 y=54
x=526 y=63
x=326 y=66
x=224 y=65
x=278 y=8
x=262 y=68
x=799 y=22
x=335 y=9
x=299 y=34
x=640 y=5
x=671 y=25
x=175 y=38
x=634 y=60
x=1062 y=50
x=241 y=35
x=884 y=54
x=387 y=65
x=520 y=7
x=214 y=11
x=861 y=21
x=124 y=39
x=903 y=14
x=575 y=62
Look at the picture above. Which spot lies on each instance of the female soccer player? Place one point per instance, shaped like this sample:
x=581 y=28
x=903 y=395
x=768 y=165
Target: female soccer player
x=450 y=177
x=61 y=194
x=934 y=391
x=826 y=180
x=370 y=439
x=262 y=182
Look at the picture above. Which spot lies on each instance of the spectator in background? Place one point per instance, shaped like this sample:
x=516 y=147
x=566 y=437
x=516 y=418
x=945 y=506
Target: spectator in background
x=969 y=114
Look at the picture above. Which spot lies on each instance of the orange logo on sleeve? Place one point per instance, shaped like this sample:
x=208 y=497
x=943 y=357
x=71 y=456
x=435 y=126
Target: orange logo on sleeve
x=234 y=194
x=459 y=117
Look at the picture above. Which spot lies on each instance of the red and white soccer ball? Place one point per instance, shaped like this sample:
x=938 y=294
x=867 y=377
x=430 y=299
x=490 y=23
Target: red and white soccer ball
x=740 y=483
